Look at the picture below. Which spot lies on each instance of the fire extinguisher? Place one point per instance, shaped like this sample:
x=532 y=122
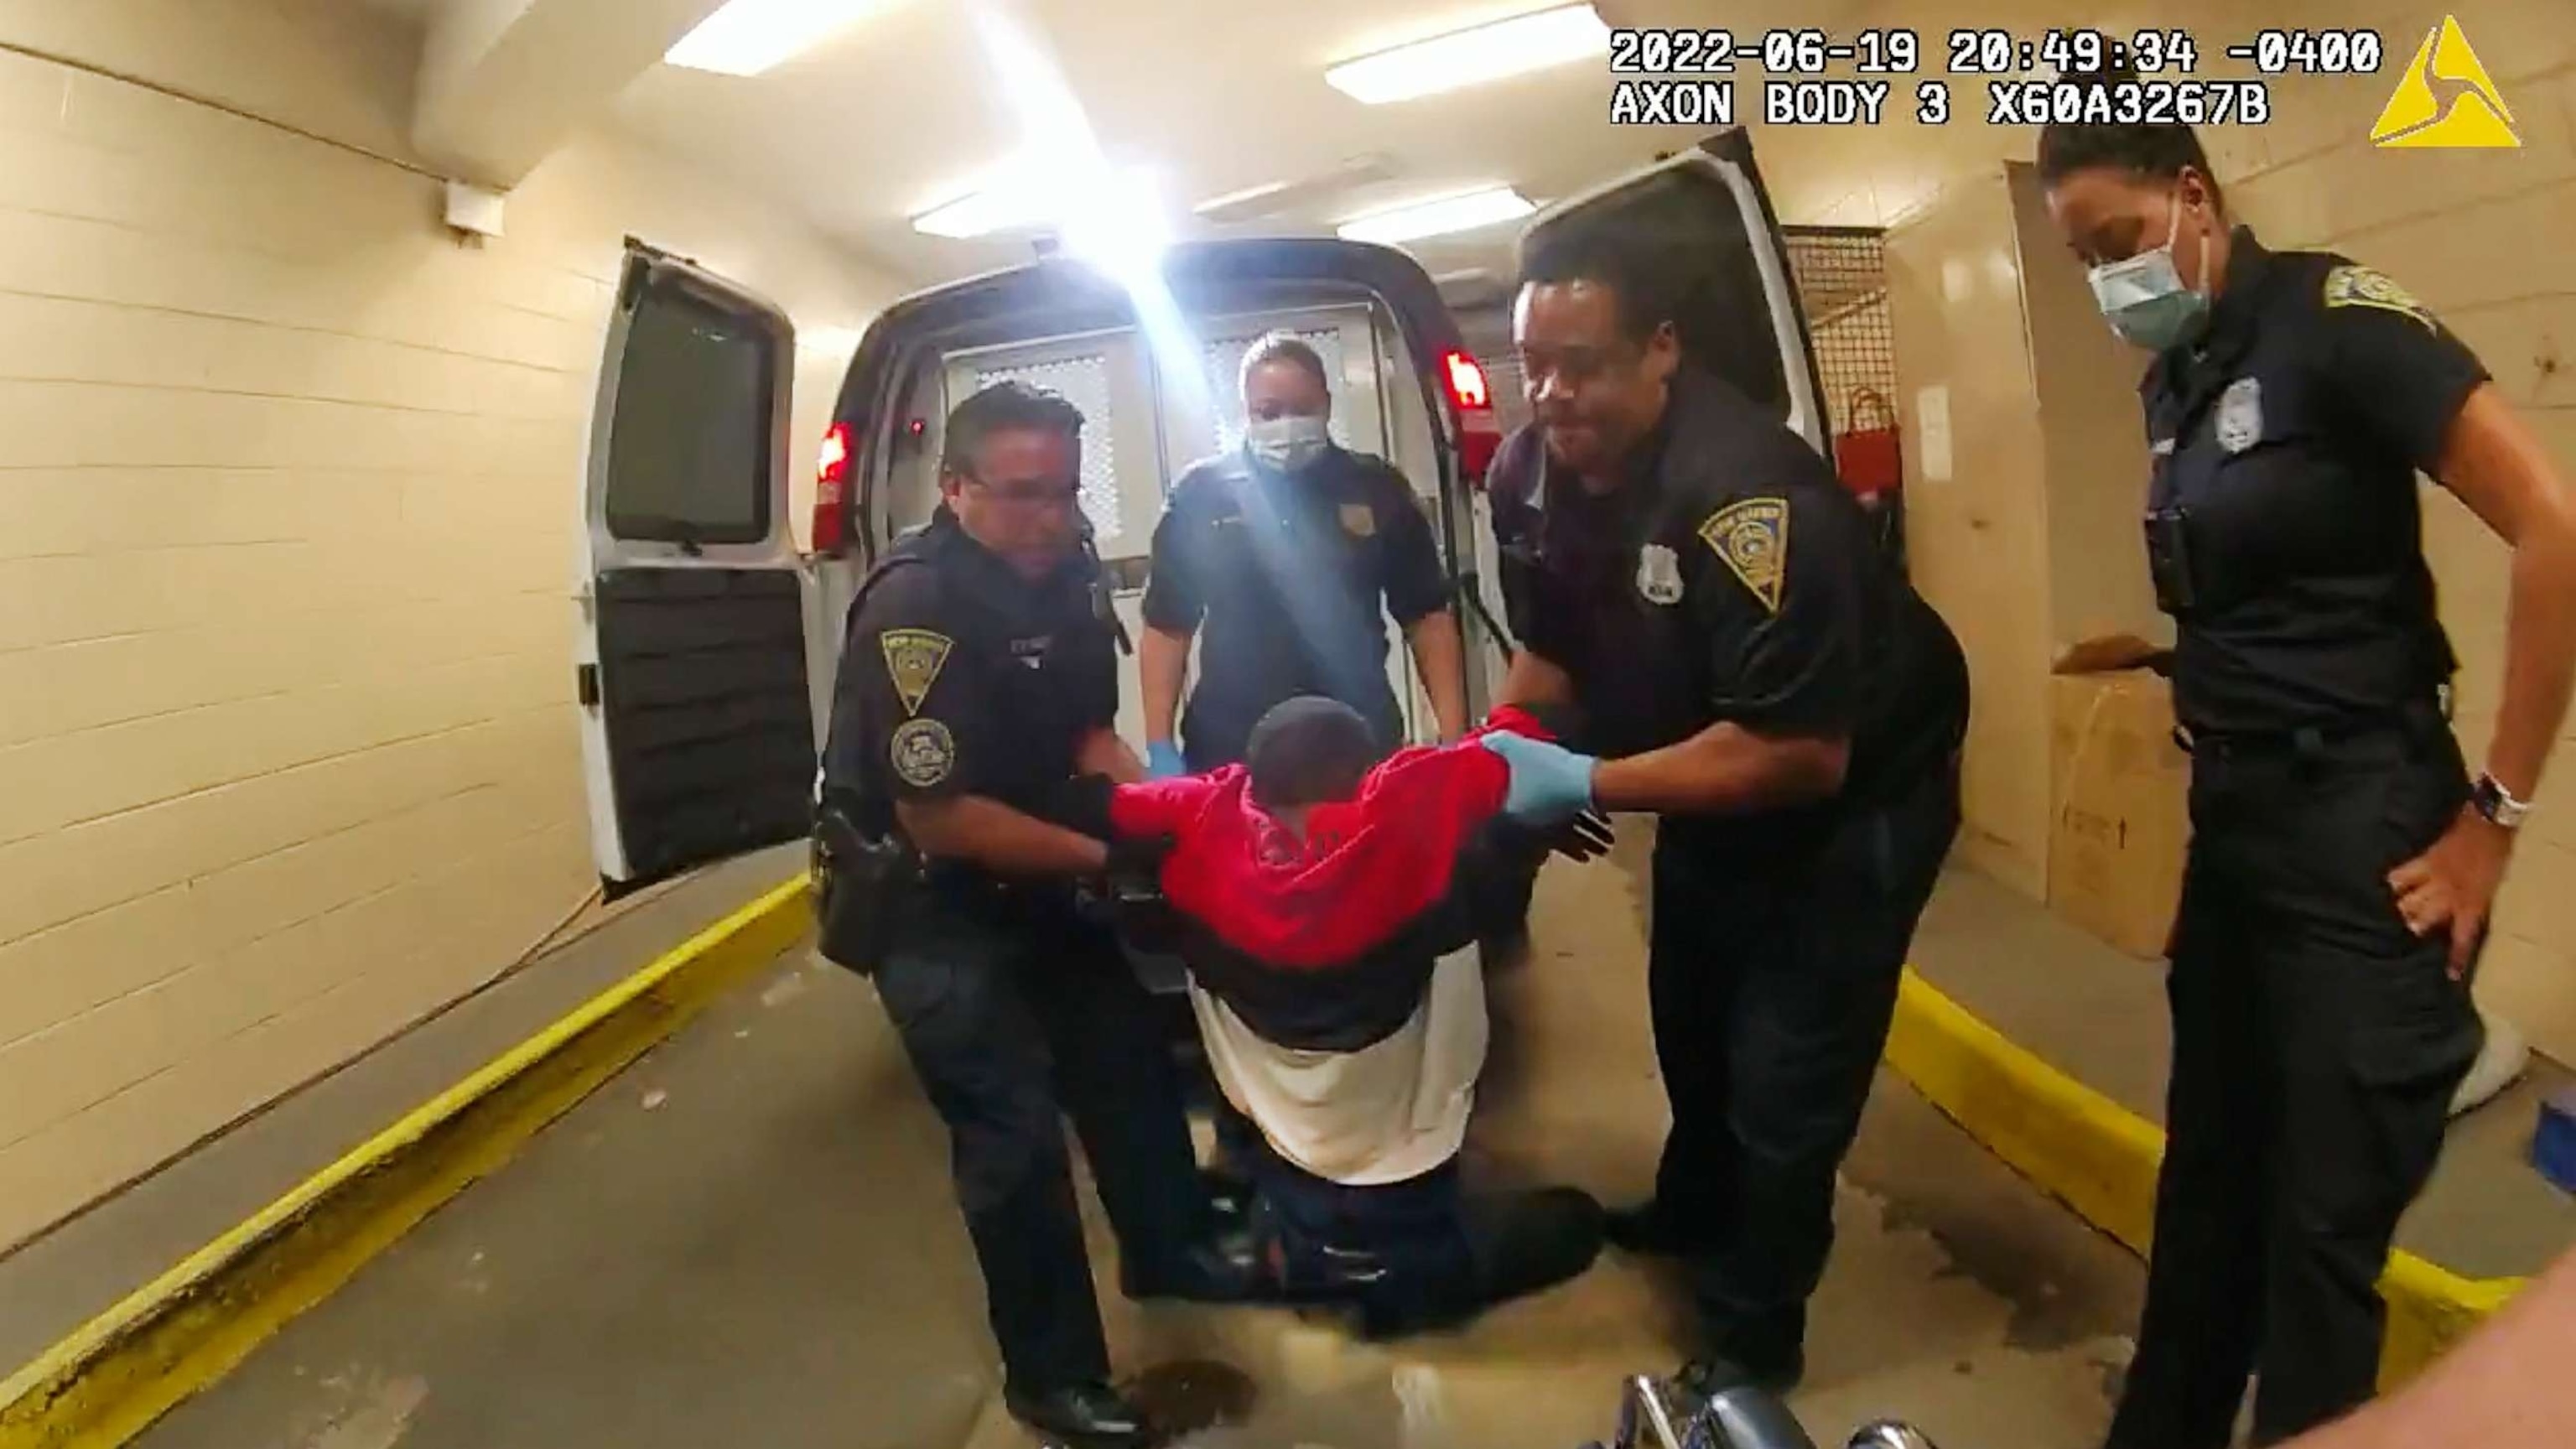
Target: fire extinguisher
x=1868 y=458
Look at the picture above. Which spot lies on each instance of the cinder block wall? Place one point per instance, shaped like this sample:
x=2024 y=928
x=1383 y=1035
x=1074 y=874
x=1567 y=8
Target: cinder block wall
x=288 y=484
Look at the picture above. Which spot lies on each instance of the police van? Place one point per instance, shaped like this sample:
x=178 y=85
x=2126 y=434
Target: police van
x=707 y=641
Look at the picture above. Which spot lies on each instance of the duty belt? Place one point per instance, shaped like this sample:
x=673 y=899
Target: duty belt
x=2417 y=720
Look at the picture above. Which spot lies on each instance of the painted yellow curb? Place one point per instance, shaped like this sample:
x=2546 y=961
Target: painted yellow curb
x=2099 y=1158
x=107 y=1382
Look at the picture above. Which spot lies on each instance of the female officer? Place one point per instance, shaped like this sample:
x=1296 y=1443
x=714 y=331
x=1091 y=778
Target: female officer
x=2342 y=862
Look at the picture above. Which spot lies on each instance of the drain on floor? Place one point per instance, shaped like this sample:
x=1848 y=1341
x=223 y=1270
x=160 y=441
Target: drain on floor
x=1191 y=1396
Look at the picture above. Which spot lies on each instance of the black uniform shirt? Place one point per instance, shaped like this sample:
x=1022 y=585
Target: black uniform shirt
x=1286 y=573
x=1730 y=577
x=2288 y=441
x=958 y=676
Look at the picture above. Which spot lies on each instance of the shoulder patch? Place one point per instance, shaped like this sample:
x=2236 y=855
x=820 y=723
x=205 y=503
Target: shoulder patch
x=1752 y=537
x=923 y=752
x=2353 y=285
x=913 y=658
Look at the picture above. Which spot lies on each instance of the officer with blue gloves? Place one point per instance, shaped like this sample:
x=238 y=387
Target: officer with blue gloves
x=1750 y=668
x=1550 y=784
x=1283 y=559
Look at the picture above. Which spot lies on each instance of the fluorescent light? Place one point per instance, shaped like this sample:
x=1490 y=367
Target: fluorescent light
x=747 y=37
x=1112 y=210
x=1436 y=218
x=977 y=213
x=1236 y=200
x=1511 y=47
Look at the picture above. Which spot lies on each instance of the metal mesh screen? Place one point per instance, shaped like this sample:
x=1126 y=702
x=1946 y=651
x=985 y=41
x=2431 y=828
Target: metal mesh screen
x=1842 y=284
x=1842 y=279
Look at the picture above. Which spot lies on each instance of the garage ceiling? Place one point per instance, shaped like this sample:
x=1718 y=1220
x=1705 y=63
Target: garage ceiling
x=898 y=113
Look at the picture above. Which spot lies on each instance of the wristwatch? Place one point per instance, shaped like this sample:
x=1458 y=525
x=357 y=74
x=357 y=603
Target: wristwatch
x=2497 y=804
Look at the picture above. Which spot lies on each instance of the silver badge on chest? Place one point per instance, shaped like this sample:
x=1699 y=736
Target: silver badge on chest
x=1659 y=574
x=2239 y=425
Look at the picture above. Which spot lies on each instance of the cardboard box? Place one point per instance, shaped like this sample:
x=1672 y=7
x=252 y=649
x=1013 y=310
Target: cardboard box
x=2119 y=786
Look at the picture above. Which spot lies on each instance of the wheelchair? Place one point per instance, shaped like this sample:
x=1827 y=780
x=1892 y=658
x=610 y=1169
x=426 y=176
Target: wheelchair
x=1654 y=1414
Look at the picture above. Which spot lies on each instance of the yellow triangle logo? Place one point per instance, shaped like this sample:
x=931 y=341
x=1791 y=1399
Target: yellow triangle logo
x=2446 y=98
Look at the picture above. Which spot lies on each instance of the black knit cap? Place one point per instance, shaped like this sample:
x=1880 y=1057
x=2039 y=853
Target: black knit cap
x=1309 y=750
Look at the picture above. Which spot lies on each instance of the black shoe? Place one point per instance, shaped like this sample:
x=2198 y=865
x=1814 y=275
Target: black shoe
x=1648 y=1230
x=1229 y=1198
x=1083 y=1416
x=1226 y=1270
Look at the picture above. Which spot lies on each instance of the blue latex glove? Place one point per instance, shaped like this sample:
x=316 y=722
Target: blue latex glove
x=1550 y=783
x=1163 y=760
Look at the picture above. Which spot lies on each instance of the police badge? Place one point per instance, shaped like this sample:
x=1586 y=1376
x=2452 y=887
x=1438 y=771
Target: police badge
x=1753 y=539
x=913 y=658
x=1659 y=574
x=2239 y=424
x=923 y=751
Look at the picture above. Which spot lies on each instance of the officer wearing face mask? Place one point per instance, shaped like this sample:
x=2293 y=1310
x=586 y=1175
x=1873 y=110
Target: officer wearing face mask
x=1289 y=552
x=2342 y=861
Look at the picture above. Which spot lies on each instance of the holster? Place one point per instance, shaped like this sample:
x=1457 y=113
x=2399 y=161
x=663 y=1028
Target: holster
x=862 y=885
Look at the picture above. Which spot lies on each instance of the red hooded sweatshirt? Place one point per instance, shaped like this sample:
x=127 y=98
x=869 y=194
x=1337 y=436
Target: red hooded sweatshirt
x=1326 y=942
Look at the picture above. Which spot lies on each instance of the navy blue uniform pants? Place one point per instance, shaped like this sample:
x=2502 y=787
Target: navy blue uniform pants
x=2317 y=1045
x=1014 y=1019
x=1773 y=978
x=1419 y=1254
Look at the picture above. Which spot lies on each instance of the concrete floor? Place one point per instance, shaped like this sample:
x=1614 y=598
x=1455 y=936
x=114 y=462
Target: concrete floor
x=2100 y=1015
x=61 y=1280
x=748 y=1239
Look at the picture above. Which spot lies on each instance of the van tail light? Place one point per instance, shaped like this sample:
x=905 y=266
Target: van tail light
x=1480 y=430
x=832 y=491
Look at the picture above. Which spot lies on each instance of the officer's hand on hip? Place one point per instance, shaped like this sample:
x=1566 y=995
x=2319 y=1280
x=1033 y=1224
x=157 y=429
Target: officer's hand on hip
x=1163 y=760
x=2452 y=886
x=1550 y=784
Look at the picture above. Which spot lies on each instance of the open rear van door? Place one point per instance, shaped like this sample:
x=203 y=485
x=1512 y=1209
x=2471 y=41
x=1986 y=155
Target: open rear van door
x=697 y=733
x=1704 y=211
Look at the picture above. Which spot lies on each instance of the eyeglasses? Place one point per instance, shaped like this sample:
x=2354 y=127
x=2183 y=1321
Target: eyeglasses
x=1025 y=498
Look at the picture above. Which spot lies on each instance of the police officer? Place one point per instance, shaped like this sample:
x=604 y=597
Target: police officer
x=1689 y=572
x=2341 y=863
x=1284 y=551
x=977 y=677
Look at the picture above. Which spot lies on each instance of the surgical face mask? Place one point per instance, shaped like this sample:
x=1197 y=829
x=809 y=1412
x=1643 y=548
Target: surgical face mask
x=2143 y=296
x=1286 y=443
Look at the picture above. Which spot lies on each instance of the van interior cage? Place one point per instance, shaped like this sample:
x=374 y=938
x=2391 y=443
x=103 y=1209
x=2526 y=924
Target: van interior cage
x=1841 y=272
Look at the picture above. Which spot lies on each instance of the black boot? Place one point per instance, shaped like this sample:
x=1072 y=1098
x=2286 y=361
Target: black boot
x=1227 y=1269
x=1647 y=1230
x=1082 y=1416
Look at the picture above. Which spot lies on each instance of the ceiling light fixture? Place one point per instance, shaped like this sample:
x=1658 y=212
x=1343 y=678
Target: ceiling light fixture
x=1469 y=57
x=1304 y=195
x=1024 y=195
x=747 y=37
x=1240 y=201
x=981 y=213
x=1438 y=218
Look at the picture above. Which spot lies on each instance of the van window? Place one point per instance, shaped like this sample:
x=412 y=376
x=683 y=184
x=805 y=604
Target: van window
x=1083 y=381
x=693 y=421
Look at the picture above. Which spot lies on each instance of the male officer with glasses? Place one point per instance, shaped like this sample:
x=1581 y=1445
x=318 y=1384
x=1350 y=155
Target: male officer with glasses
x=978 y=676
